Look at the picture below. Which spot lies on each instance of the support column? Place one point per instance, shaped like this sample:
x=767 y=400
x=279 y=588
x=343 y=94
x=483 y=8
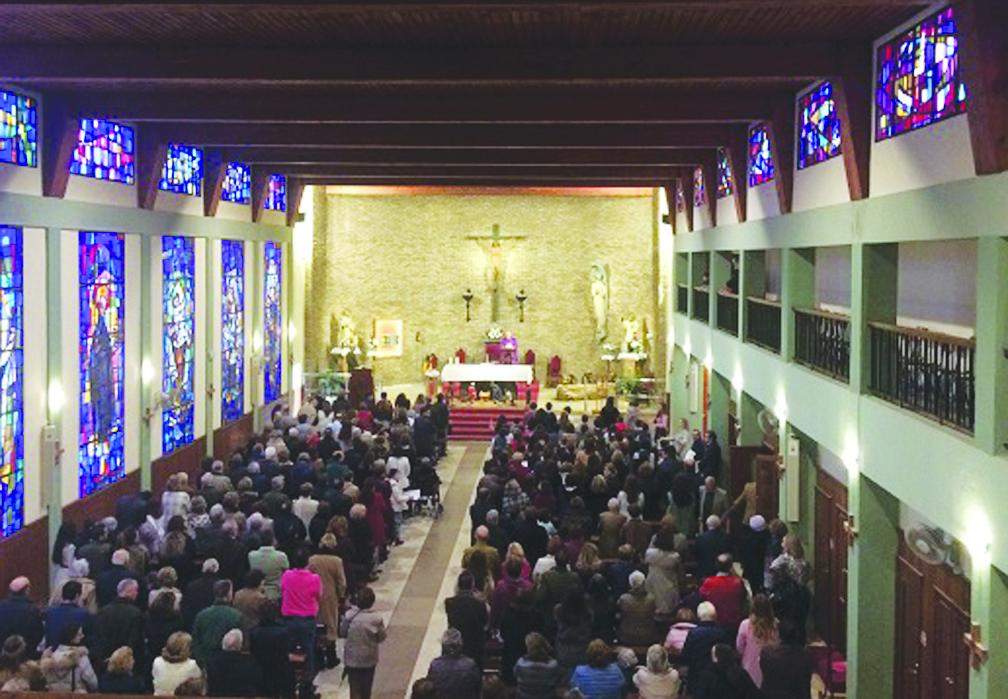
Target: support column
x=991 y=393
x=720 y=394
x=871 y=591
x=720 y=271
x=55 y=392
x=691 y=279
x=752 y=278
x=874 y=274
x=211 y=261
x=749 y=408
x=149 y=356
x=797 y=291
x=255 y=260
x=989 y=608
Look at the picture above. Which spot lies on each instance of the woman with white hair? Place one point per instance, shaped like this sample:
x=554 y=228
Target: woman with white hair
x=232 y=672
x=637 y=612
x=656 y=680
x=610 y=527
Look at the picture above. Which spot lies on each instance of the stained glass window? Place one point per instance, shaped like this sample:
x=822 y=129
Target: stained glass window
x=272 y=322
x=237 y=187
x=761 y=164
x=232 y=330
x=102 y=355
x=917 y=81
x=726 y=182
x=104 y=151
x=680 y=197
x=699 y=191
x=178 y=329
x=11 y=381
x=182 y=172
x=819 y=126
x=276 y=193
x=18 y=129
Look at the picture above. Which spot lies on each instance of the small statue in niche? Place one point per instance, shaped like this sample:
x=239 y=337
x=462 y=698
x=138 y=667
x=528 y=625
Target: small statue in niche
x=599 y=288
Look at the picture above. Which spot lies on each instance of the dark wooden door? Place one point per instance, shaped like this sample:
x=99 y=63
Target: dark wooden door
x=767 y=486
x=911 y=638
x=831 y=560
x=741 y=467
x=950 y=676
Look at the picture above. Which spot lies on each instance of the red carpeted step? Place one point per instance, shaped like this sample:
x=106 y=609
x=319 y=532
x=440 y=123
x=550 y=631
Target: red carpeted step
x=477 y=423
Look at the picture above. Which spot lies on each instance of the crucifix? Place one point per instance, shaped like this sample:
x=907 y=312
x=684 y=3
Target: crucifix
x=495 y=274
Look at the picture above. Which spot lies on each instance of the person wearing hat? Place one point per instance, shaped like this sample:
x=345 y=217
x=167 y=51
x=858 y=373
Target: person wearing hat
x=754 y=540
x=19 y=615
x=455 y=674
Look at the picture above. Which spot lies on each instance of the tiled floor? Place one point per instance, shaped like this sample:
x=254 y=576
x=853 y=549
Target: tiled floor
x=415 y=580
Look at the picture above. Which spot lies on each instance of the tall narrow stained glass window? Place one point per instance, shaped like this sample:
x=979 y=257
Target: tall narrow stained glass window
x=182 y=172
x=102 y=359
x=761 y=164
x=178 y=331
x=699 y=190
x=276 y=193
x=104 y=151
x=18 y=129
x=917 y=79
x=726 y=182
x=680 y=197
x=819 y=136
x=237 y=186
x=272 y=322
x=232 y=330
x=11 y=380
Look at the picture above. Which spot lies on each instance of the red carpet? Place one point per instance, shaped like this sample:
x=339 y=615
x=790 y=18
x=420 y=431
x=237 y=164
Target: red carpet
x=476 y=424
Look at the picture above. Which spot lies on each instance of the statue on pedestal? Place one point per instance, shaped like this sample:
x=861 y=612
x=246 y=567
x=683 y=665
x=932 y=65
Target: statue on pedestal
x=599 y=288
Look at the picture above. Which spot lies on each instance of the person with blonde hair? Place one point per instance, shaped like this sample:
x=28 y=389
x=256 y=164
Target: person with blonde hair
x=656 y=679
x=791 y=562
x=755 y=633
x=174 y=666
x=167 y=581
x=516 y=550
x=118 y=677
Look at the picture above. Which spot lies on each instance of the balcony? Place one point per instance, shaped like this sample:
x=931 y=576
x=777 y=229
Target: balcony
x=822 y=342
x=701 y=309
x=727 y=313
x=927 y=372
x=682 y=299
x=763 y=327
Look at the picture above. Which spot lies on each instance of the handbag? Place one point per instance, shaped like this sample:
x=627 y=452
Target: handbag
x=344 y=625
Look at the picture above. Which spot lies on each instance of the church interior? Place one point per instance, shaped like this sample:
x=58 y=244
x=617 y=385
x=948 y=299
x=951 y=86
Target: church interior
x=586 y=349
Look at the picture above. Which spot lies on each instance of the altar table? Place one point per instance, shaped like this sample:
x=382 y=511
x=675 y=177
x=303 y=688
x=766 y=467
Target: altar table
x=485 y=373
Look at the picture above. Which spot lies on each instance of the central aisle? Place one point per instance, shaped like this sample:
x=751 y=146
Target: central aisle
x=415 y=580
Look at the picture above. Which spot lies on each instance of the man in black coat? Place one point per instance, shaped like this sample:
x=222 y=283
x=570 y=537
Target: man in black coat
x=424 y=434
x=231 y=672
x=120 y=623
x=19 y=615
x=696 y=652
x=709 y=545
x=107 y=583
x=531 y=536
x=198 y=595
x=710 y=464
x=469 y=615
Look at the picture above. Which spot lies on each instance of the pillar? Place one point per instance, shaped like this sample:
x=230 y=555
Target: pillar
x=54 y=376
x=874 y=275
x=149 y=355
x=749 y=408
x=991 y=369
x=254 y=294
x=720 y=394
x=211 y=262
x=752 y=277
x=720 y=271
x=797 y=291
x=871 y=590
x=989 y=608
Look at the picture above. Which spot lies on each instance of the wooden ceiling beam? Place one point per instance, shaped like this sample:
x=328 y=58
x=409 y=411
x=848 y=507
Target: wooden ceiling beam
x=487 y=180
x=983 y=28
x=782 y=148
x=853 y=97
x=457 y=171
x=455 y=155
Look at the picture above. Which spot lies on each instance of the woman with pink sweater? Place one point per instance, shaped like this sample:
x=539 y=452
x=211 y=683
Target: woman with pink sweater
x=756 y=633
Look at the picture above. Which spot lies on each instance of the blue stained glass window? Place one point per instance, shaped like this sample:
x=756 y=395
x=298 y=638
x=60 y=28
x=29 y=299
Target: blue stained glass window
x=699 y=191
x=105 y=151
x=819 y=126
x=232 y=330
x=237 y=187
x=11 y=380
x=178 y=330
x=102 y=359
x=726 y=182
x=182 y=172
x=680 y=197
x=18 y=129
x=761 y=164
x=276 y=193
x=917 y=79
x=272 y=322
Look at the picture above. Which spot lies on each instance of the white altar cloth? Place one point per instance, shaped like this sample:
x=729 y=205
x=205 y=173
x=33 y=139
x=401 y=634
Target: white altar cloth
x=501 y=373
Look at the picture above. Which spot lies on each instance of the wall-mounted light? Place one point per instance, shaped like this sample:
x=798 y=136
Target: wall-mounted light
x=55 y=397
x=977 y=650
x=979 y=536
x=146 y=371
x=736 y=381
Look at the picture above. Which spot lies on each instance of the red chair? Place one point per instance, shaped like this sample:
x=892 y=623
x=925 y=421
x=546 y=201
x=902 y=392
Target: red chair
x=530 y=360
x=460 y=355
x=553 y=372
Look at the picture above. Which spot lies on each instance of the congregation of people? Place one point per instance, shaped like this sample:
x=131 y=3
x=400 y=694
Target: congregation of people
x=608 y=562
x=239 y=579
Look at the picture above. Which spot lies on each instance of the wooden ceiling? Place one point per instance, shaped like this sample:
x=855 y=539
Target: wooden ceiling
x=497 y=93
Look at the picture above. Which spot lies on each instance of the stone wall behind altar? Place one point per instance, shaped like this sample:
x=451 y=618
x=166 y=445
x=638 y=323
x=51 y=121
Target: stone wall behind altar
x=405 y=256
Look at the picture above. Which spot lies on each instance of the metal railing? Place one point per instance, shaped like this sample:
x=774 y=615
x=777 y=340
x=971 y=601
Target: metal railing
x=727 y=313
x=763 y=326
x=701 y=309
x=682 y=299
x=822 y=342
x=927 y=372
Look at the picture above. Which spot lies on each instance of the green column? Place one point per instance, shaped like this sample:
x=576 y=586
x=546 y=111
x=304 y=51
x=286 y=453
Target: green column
x=752 y=276
x=54 y=373
x=989 y=608
x=874 y=275
x=748 y=410
x=797 y=291
x=212 y=391
x=692 y=279
x=720 y=394
x=871 y=591
x=991 y=428
x=148 y=353
x=720 y=270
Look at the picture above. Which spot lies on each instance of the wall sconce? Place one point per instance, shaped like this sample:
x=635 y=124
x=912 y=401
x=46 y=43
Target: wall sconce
x=211 y=390
x=521 y=297
x=161 y=400
x=977 y=650
x=467 y=296
x=850 y=531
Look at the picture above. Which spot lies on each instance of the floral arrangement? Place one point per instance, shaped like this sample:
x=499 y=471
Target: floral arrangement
x=494 y=333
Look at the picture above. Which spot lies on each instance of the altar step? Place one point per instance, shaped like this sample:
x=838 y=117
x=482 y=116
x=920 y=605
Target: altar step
x=476 y=424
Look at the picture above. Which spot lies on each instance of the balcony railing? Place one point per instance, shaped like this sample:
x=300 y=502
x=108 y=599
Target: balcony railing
x=763 y=327
x=822 y=342
x=701 y=309
x=682 y=299
x=727 y=313
x=929 y=373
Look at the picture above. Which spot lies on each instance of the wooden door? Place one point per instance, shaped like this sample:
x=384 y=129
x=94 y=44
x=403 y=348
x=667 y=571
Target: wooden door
x=911 y=638
x=768 y=476
x=950 y=662
x=741 y=467
x=838 y=571
x=830 y=566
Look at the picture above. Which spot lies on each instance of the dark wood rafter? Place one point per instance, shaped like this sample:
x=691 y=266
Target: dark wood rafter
x=782 y=148
x=59 y=136
x=151 y=151
x=669 y=190
x=658 y=173
x=295 y=190
x=738 y=159
x=853 y=96
x=260 y=183
x=214 y=170
x=687 y=189
x=983 y=59
x=710 y=175
x=484 y=180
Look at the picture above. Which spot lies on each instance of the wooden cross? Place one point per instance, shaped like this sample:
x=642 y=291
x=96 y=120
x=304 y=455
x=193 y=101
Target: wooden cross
x=495 y=239
x=977 y=650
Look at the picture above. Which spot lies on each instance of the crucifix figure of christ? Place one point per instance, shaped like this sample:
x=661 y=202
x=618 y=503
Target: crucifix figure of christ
x=495 y=272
